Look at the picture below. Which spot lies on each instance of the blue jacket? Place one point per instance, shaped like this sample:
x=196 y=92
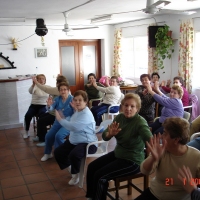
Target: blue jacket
x=81 y=126
x=65 y=107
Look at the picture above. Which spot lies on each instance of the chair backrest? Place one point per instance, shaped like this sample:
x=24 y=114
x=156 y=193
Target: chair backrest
x=195 y=135
x=186 y=115
x=104 y=124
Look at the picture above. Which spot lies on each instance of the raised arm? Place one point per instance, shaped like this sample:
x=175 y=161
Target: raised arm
x=46 y=88
x=156 y=151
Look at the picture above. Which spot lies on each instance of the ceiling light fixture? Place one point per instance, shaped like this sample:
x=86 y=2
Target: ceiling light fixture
x=101 y=19
x=4 y=19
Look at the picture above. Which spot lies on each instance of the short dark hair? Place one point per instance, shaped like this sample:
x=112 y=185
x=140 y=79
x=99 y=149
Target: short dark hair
x=63 y=84
x=145 y=75
x=180 y=79
x=60 y=79
x=81 y=93
x=91 y=74
x=115 y=77
x=155 y=74
x=177 y=128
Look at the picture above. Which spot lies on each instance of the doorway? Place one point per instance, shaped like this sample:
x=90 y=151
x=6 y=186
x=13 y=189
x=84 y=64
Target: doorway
x=78 y=58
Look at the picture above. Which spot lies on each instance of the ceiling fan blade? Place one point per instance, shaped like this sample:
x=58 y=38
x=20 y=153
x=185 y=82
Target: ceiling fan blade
x=119 y=13
x=177 y=12
x=92 y=27
x=159 y=3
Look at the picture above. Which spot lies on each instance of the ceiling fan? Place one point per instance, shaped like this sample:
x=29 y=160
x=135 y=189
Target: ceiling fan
x=157 y=7
x=67 y=27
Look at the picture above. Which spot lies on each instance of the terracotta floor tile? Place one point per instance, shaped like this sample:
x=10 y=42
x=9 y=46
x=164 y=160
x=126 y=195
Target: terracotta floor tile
x=50 y=165
x=14 y=192
x=8 y=158
x=57 y=174
x=24 y=155
x=34 y=178
x=40 y=187
x=27 y=162
x=8 y=165
x=71 y=192
x=11 y=182
x=51 y=195
x=5 y=152
x=10 y=173
x=31 y=169
x=23 y=198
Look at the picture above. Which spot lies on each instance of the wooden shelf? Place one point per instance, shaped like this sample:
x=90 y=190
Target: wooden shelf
x=8 y=68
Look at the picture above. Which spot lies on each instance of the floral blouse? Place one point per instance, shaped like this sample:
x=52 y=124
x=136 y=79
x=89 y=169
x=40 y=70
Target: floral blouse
x=148 y=103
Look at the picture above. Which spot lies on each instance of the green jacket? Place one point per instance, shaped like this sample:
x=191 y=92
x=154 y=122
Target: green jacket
x=132 y=138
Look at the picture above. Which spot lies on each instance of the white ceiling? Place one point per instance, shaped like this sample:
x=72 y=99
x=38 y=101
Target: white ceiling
x=51 y=10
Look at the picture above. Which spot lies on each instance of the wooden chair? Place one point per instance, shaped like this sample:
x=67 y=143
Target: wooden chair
x=35 y=119
x=129 y=185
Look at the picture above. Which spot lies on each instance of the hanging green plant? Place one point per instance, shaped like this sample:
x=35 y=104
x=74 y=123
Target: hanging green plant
x=164 y=45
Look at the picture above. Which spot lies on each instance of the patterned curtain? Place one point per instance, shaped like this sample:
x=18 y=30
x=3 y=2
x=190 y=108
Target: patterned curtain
x=152 y=58
x=186 y=52
x=117 y=69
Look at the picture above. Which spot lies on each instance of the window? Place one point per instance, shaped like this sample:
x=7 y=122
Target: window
x=196 y=68
x=134 y=56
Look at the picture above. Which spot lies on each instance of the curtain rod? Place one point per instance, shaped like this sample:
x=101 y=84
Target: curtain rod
x=141 y=25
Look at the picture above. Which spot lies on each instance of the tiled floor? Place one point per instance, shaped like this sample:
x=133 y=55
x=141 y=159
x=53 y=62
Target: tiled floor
x=24 y=177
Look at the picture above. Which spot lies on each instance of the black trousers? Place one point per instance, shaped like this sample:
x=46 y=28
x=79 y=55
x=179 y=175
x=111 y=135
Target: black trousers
x=68 y=154
x=103 y=169
x=32 y=111
x=146 y=194
x=45 y=120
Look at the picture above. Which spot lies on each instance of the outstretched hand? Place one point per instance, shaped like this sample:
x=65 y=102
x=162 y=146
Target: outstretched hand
x=49 y=101
x=59 y=115
x=113 y=129
x=185 y=177
x=73 y=105
x=155 y=147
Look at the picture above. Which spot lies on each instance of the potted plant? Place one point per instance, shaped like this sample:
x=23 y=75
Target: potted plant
x=164 y=45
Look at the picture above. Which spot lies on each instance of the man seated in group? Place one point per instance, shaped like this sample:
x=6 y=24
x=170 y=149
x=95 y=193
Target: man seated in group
x=177 y=81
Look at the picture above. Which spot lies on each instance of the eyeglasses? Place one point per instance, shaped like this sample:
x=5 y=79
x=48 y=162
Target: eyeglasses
x=63 y=90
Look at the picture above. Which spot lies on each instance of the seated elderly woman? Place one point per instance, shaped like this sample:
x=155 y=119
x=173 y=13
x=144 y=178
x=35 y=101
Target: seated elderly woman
x=82 y=131
x=166 y=159
x=113 y=96
x=178 y=81
x=56 y=135
x=154 y=77
x=91 y=91
x=131 y=132
x=172 y=106
x=148 y=102
x=47 y=118
x=38 y=103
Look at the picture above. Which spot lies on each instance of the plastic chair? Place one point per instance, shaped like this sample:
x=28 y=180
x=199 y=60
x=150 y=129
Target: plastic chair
x=186 y=115
x=110 y=113
x=193 y=107
x=195 y=135
x=94 y=102
x=101 y=150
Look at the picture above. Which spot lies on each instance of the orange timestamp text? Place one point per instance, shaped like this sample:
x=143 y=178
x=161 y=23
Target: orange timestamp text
x=192 y=181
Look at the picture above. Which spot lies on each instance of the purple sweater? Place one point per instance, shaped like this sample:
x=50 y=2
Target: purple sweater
x=172 y=107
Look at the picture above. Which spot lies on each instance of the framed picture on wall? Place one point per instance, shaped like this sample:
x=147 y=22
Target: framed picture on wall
x=41 y=52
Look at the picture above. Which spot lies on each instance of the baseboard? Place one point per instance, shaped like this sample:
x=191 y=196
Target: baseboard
x=9 y=126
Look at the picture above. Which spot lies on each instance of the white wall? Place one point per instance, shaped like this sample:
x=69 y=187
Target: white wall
x=24 y=57
x=139 y=28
